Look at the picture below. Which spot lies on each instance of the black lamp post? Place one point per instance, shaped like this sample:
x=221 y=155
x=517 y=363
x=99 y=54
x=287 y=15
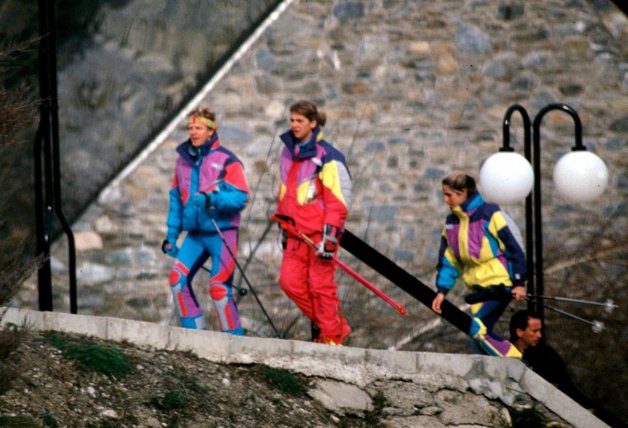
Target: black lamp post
x=47 y=163
x=579 y=176
x=527 y=149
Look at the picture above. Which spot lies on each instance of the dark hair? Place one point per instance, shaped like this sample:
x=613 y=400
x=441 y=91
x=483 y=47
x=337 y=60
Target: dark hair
x=309 y=110
x=460 y=181
x=519 y=321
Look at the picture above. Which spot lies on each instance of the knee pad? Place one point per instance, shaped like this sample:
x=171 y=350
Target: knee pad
x=218 y=291
x=175 y=277
x=178 y=274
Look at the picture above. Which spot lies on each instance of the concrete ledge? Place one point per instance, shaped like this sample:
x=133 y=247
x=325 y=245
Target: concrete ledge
x=496 y=378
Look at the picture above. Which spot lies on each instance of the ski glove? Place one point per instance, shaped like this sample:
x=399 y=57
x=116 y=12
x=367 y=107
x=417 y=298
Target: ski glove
x=284 y=239
x=329 y=244
x=169 y=246
x=204 y=200
x=482 y=294
x=284 y=232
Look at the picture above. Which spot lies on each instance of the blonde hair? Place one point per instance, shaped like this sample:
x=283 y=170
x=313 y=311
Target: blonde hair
x=204 y=113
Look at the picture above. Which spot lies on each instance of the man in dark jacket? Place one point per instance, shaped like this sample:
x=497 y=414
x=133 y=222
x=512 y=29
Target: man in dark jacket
x=525 y=334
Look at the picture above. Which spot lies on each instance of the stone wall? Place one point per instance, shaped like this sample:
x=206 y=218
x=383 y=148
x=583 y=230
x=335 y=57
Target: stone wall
x=142 y=61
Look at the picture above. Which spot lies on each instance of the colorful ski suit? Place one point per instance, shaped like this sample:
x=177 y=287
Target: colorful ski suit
x=315 y=189
x=216 y=171
x=482 y=243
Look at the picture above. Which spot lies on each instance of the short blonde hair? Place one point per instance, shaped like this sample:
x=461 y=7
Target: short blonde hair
x=204 y=113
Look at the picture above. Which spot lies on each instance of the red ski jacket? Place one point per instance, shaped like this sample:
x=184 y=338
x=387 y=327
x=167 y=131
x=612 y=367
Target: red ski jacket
x=315 y=187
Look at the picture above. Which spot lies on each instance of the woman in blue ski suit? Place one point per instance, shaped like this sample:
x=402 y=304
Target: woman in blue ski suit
x=208 y=192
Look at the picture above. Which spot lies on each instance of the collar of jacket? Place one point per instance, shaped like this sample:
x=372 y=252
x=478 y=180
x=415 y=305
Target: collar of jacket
x=302 y=150
x=193 y=154
x=470 y=204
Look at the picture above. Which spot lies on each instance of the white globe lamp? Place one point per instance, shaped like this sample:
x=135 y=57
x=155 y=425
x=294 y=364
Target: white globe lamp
x=506 y=177
x=580 y=176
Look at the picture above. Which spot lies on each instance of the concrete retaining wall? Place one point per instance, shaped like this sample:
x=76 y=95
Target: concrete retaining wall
x=505 y=380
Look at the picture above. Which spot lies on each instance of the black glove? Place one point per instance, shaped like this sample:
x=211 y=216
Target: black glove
x=170 y=248
x=284 y=239
x=284 y=233
x=493 y=292
x=329 y=243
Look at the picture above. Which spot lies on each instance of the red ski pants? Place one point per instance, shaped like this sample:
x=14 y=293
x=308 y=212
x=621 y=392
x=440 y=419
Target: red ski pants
x=309 y=282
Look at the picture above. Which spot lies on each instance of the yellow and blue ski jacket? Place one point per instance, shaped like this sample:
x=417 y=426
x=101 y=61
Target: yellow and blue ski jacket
x=481 y=243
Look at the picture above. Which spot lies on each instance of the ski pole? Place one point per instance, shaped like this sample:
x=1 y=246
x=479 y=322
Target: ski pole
x=296 y=232
x=609 y=305
x=241 y=291
x=596 y=326
x=235 y=260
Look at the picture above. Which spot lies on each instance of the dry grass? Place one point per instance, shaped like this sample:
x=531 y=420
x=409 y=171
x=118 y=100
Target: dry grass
x=16 y=114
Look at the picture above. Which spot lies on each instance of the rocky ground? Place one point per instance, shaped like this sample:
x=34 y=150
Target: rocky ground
x=68 y=380
x=159 y=389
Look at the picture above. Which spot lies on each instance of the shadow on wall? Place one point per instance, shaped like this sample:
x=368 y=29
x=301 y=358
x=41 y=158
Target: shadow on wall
x=124 y=68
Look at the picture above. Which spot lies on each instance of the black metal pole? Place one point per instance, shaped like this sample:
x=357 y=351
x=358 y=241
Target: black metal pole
x=56 y=158
x=538 y=225
x=43 y=172
x=44 y=275
x=48 y=133
x=529 y=236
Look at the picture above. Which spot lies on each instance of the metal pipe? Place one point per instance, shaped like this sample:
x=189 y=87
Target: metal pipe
x=56 y=158
x=537 y=199
x=44 y=275
x=43 y=172
x=529 y=236
x=48 y=133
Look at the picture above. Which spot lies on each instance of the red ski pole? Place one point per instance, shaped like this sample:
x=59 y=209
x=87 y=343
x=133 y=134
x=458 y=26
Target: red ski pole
x=296 y=232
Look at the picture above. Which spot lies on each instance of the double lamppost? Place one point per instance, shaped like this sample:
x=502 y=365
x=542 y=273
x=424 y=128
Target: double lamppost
x=507 y=177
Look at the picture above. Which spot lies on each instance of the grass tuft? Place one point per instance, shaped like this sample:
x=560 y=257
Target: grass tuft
x=48 y=420
x=105 y=359
x=18 y=422
x=171 y=400
x=527 y=418
x=283 y=380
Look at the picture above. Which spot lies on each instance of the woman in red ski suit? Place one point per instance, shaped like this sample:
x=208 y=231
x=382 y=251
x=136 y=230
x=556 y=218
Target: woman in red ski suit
x=315 y=193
